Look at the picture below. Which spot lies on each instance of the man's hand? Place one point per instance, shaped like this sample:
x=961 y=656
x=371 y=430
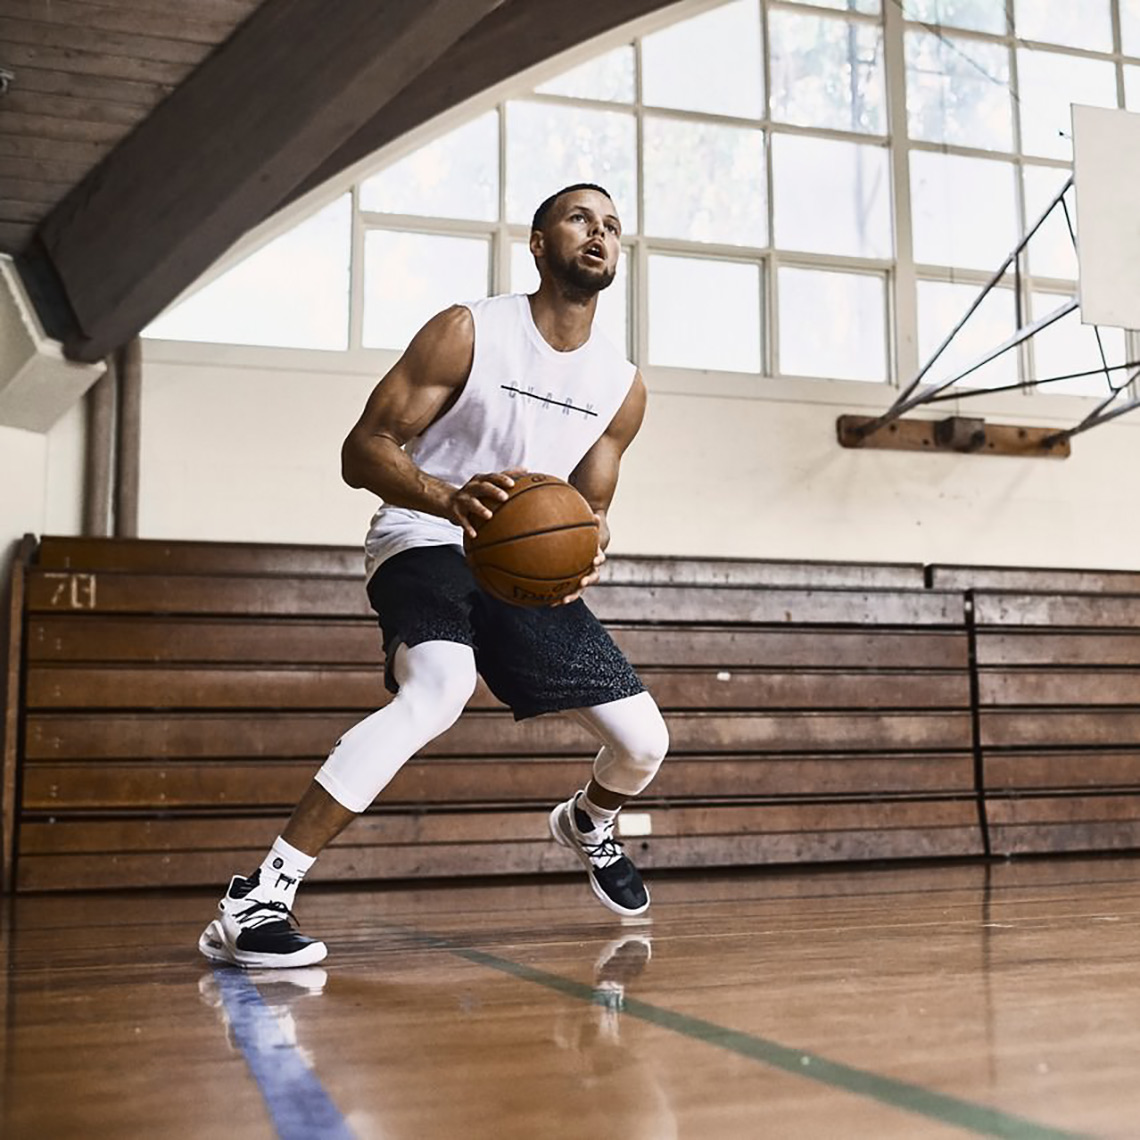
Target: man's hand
x=599 y=559
x=476 y=500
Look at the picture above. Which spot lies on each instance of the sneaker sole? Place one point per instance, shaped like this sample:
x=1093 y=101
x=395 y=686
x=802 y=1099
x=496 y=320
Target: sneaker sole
x=560 y=837
x=212 y=945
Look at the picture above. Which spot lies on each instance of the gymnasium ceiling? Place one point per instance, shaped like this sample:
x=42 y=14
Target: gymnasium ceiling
x=139 y=139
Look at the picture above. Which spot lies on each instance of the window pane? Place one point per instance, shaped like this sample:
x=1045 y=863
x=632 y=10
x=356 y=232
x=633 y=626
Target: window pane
x=609 y=77
x=291 y=293
x=1132 y=88
x=709 y=63
x=832 y=197
x=941 y=305
x=1130 y=26
x=964 y=210
x=705 y=182
x=1068 y=346
x=1050 y=250
x=550 y=147
x=1048 y=83
x=1087 y=24
x=411 y=277
x=704 y=314
x=827 y=72
x=612 y=315
x=978 y=15
x=852 y=308
x=957 y=91
x=870 y=7
x=457 y=176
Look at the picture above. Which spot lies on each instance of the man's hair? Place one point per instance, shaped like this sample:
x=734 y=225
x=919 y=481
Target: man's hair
x=544 y=209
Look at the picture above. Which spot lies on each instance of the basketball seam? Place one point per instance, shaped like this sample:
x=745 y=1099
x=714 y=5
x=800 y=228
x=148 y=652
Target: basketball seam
x=529 y=534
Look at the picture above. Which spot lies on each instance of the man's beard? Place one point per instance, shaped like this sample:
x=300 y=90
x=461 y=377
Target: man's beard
x=575 y=280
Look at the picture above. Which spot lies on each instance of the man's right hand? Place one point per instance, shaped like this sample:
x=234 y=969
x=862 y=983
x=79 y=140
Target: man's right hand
x=476 y=500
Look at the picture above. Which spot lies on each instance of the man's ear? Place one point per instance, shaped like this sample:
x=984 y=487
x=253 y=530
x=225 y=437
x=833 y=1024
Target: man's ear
x=537 y=242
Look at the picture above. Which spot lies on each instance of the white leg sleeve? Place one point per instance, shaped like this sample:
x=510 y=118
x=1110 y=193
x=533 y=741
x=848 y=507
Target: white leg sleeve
x=635 y=740
x=436 y=678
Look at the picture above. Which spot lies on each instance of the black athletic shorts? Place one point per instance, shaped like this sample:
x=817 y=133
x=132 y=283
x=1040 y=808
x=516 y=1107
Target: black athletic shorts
x=536 y=661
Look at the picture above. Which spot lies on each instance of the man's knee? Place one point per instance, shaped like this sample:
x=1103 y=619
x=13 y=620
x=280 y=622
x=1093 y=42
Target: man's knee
x=436 y=681
x=632 y=758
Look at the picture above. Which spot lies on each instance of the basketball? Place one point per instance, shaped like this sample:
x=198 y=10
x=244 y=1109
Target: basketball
x=537 y=546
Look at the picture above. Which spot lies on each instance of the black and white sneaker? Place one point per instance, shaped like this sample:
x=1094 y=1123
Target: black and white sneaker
x=257 y=931
x=613 y=877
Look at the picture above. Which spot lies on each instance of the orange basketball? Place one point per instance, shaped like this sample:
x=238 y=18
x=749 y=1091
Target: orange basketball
x=537 y=546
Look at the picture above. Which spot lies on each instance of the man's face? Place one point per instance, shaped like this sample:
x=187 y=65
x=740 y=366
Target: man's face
x=580 y=241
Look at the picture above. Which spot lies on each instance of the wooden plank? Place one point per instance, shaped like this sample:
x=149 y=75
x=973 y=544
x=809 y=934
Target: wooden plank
x=177 y=193
x=81 y=736
x=1059 y=728
x=89 y=37
x=15 y=236
x=227 y=11
x=1024 y=578
x=1078 y=647
x=84 y=637
x=1063 y=809
x=362 y=690
x=170 y=556
x=189 y=24
x=138 y=69
x=31 y=190
x=93 y=88
x=1078 y=611
x=285 y=595
x=109 y=786
x=1059 y=687
x=9 y=761
x=1064 y=838
x=1060 y=770
x=50 y=126
x=649 y=571
x=21 y=211
x=31 y=105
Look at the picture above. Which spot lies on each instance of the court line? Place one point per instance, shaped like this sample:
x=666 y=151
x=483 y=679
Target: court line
x=297 y=1102
x=938 y=1106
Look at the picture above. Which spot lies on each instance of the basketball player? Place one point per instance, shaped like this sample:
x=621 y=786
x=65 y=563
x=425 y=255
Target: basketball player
x=484 y=392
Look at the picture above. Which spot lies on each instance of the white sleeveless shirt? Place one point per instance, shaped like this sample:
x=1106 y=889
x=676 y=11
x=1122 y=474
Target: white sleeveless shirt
x=524 y=404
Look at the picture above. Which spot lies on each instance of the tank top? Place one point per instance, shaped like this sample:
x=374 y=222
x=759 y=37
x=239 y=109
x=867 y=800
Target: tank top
x=524 y=404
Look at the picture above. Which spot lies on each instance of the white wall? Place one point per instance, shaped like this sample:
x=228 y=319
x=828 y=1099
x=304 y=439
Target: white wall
x=232 y=451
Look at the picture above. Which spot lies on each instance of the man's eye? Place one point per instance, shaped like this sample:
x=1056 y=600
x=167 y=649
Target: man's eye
x=612 y=228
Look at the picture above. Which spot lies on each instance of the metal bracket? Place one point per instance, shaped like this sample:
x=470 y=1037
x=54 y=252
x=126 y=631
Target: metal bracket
x=962 y=434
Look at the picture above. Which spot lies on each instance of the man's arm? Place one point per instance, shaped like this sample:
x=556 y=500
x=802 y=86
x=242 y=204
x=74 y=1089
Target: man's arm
x=596 y=476
x=420 y=387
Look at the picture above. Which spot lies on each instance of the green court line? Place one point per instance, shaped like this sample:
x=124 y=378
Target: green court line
x=951 y=1110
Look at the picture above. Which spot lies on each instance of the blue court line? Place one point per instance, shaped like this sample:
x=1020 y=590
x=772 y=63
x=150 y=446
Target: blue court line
x=297 y=1102
x=964 y=1114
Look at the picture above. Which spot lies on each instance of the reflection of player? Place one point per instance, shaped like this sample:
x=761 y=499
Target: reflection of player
x=483 y=392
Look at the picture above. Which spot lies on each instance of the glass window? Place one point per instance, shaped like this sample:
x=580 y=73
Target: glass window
x=964 y=210
x=1130 y=27
x=1087 y=24
x=977 y=15
x=827 y=72
x=704 y=314
x=709 y=63
x=832 y=324
x=549 y=147
x=456 y=176
x=705 y=182
x=870 y=7
x=1050 y=250
x=957 y=91
x=1048 y=84
x=291 y=293
x=608 y=77
x=1068 y=346
x=612 y=315
x=941 y=305
x=831 y=197
x=1132 y=88
x=409 y=277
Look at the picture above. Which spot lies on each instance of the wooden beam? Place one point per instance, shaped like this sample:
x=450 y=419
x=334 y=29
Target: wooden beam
x=514 y=37
x=286 y=91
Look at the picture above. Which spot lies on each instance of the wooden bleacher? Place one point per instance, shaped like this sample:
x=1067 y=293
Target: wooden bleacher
x=177 y=698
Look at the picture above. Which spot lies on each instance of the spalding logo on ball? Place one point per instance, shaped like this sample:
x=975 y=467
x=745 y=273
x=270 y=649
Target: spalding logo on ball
x=537 y=546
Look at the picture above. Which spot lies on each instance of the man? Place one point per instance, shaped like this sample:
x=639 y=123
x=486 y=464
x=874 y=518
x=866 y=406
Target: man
x=484 y=392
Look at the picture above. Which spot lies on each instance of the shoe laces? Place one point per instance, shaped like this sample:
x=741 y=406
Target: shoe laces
x=253 y=915
x=607 y=850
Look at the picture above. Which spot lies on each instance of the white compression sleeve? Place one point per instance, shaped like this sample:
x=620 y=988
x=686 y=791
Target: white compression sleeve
x=635 y=740
x=436 y=678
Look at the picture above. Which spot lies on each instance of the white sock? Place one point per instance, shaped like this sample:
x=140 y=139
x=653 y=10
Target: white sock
x=283 y=869
x=597 y=815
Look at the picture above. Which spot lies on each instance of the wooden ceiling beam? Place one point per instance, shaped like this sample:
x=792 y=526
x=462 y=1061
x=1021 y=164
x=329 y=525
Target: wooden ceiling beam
x=291 y=87
x=516 y=36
